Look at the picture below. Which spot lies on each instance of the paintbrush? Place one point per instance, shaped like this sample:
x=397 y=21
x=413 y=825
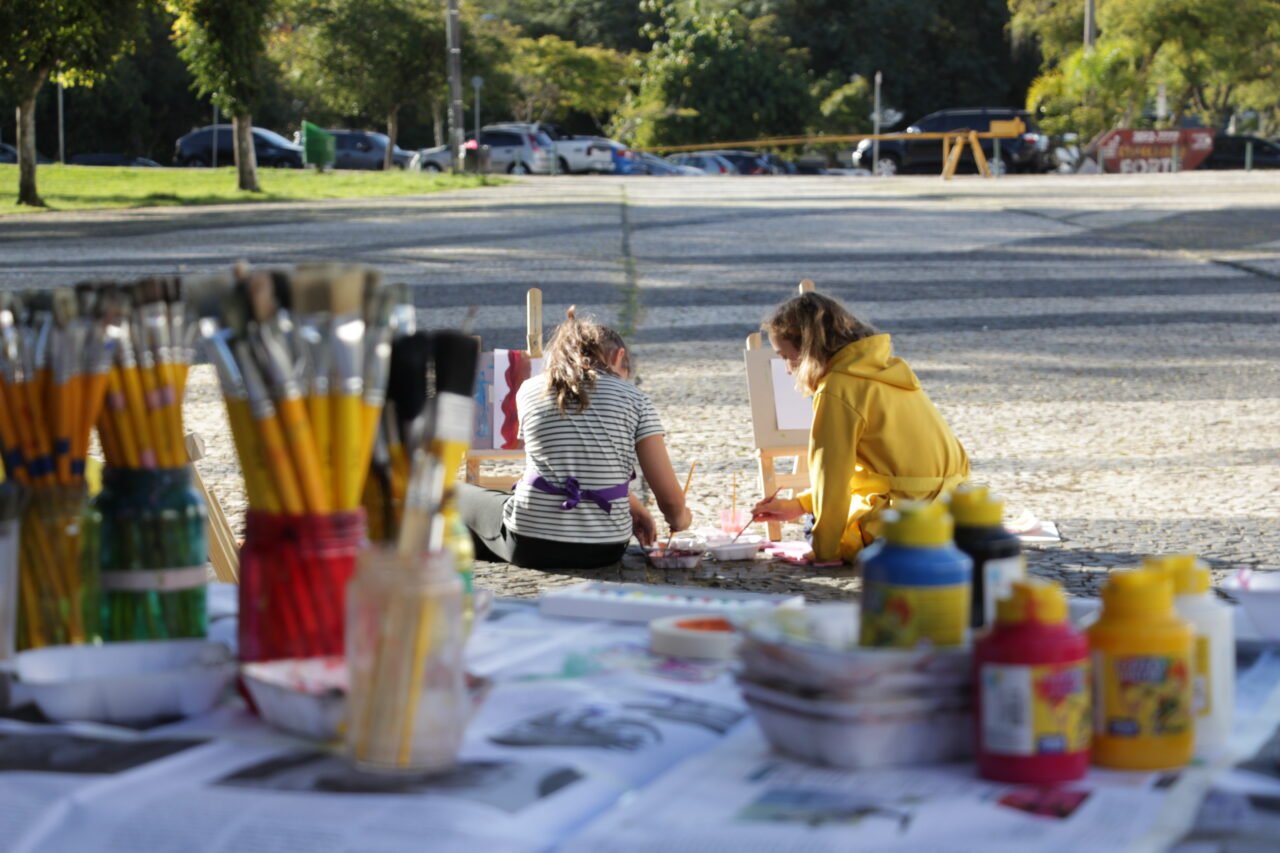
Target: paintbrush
x=272 y=352
x=346 y=385
x=687 y=480
x=754 y=518
x=310 y=297
x=377 y=363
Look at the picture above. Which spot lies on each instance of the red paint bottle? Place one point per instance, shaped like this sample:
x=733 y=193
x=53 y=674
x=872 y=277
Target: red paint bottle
x=1034 y=712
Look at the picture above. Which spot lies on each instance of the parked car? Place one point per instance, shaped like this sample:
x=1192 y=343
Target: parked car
x=708 y=164
x=579 y=154
x=437 y=159
x=652 y=164
x=9 y=154
x=624 y=160
x=110 y=160
x=514 y=148
x=778 y=166
x=366 y=149
x=1229 y=153
x=272 y=149
x=745 y=162
x=1026 y=153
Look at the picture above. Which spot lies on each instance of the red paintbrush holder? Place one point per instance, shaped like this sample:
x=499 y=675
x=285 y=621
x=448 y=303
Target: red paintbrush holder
x=294 y=571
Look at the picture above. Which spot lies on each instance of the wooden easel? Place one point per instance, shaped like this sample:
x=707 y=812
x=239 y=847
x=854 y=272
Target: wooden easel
x=224 y=551
x=772 y=444
x=477 y=457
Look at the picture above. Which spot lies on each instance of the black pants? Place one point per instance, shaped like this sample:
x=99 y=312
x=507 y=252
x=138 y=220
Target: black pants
x=481 y=510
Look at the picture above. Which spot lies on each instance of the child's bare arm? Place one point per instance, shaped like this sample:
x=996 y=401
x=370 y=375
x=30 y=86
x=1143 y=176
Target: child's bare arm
x=667 y=491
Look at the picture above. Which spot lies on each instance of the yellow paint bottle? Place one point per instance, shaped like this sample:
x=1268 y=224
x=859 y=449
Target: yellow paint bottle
x=1142 y=670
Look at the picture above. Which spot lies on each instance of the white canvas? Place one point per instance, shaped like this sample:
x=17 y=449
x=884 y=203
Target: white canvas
x=792 y=409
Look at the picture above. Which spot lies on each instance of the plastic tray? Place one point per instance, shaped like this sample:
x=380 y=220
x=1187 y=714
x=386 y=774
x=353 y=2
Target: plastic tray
x=126 y=683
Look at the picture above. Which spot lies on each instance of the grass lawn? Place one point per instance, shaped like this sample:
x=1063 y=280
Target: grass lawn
x=96 y=187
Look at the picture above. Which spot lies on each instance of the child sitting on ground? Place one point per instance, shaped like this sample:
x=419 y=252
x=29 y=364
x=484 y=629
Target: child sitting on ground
x=876 y=437
x=585 y=427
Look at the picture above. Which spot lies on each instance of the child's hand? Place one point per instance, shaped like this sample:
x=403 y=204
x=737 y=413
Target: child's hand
x=778 y=509
x=642 y=525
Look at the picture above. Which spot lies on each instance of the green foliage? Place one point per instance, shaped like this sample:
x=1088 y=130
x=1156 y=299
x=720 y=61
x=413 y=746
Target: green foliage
x=224 y=44
x=845 y=109
x=1214 y=57
x=373 y=57
x=76 y=40
x=553 y=77
x=716 y=75
x=613 y=24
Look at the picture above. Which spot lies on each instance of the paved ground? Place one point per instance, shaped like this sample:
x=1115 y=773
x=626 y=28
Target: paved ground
x=1107 y=348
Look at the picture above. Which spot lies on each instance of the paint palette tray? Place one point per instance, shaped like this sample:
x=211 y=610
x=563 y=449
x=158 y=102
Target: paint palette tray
x=634 y=602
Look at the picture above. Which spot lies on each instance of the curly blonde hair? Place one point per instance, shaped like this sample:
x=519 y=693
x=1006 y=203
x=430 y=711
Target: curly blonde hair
x=818 y=327
x=579 y=352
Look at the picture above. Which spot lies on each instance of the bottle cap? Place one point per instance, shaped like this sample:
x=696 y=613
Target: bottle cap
x=1138 y=592
x=1032 y=600
x=1189 y=574
x=972 y=505
x=917 y=523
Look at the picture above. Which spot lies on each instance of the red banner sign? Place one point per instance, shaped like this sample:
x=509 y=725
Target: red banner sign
x=1134 y=151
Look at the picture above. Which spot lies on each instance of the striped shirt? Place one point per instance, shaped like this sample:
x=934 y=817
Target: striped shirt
x=596 y=446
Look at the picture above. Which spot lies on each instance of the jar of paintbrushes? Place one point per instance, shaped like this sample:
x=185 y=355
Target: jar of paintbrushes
x=11 y=500
x=53 y=358
x=302 y=356
x=408 y=705
x=148 y=526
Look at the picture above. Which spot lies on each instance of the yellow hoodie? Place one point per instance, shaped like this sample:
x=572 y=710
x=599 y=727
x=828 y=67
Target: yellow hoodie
x=876 y=438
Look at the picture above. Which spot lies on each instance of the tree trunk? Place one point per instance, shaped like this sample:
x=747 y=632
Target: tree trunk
x=246 y=157
x=437 y=122
x=393 y=128
x=27 y=193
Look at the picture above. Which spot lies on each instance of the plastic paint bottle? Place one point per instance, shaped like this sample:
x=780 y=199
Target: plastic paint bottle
x=1033 y=691
x=996 y=553
x=915 y=582
x=1214 y=656
x=1142 y=671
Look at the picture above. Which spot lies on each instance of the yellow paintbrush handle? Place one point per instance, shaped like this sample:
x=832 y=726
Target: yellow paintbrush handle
x=306 y=461
x=257 y=476
x=318 y=409
x=117 y=410
x=95 y=394
x=370 y=417
x=271 y=443
x=345 y=461
x=137 y=409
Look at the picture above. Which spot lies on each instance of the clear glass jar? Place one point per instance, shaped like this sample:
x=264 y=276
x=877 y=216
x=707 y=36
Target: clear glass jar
x=10 y=525
x=294 y=571
x=407 y=707
x=153 y=547
x=57 y=569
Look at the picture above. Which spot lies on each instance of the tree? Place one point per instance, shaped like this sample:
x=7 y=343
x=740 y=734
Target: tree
x=552 y=77
x=224 y=44
x=1214 y=57
x=375 y=57
x=74 y=40
x=717 y=76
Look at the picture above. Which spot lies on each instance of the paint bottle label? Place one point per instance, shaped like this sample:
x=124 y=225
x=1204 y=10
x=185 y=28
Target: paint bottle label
x=905 y=615
x=1035 y=710
x=997 y=580
x=1202 y=683
x=1142 y=695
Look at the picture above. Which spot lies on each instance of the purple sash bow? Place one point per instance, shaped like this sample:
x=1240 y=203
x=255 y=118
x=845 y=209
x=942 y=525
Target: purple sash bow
x=573 y=492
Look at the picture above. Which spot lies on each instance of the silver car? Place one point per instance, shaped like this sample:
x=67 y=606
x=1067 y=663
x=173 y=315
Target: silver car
x=708 y=164
x=513 y=149
x=438 y=159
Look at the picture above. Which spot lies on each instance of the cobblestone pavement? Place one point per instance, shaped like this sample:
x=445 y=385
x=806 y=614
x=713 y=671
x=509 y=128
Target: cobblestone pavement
x=1107 y=348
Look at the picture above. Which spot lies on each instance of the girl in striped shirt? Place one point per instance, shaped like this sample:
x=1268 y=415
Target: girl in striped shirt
x=586 y=428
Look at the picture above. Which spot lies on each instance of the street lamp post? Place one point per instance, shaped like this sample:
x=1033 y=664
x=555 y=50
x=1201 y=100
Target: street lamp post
x=1090 y=24
x=453 y=38
x=62 y=139
x=875 y=127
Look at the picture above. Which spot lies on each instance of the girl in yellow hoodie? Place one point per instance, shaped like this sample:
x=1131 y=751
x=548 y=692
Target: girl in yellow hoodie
x=876 y=436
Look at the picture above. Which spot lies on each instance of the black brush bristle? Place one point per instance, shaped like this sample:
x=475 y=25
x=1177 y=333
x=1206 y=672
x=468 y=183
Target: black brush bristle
x=456 y=356
x=407 y=376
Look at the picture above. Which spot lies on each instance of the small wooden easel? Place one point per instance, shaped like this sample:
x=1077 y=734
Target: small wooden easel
x=773 y=444
x=478 y=456
x=224 y=552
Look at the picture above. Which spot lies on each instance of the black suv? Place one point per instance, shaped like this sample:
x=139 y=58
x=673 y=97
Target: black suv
x=272 y=149
x=1229 y=153
x=366 y=149
x=1025 y=153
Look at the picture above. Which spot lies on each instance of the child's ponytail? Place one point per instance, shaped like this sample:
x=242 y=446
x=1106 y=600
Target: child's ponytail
x=579 y=351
